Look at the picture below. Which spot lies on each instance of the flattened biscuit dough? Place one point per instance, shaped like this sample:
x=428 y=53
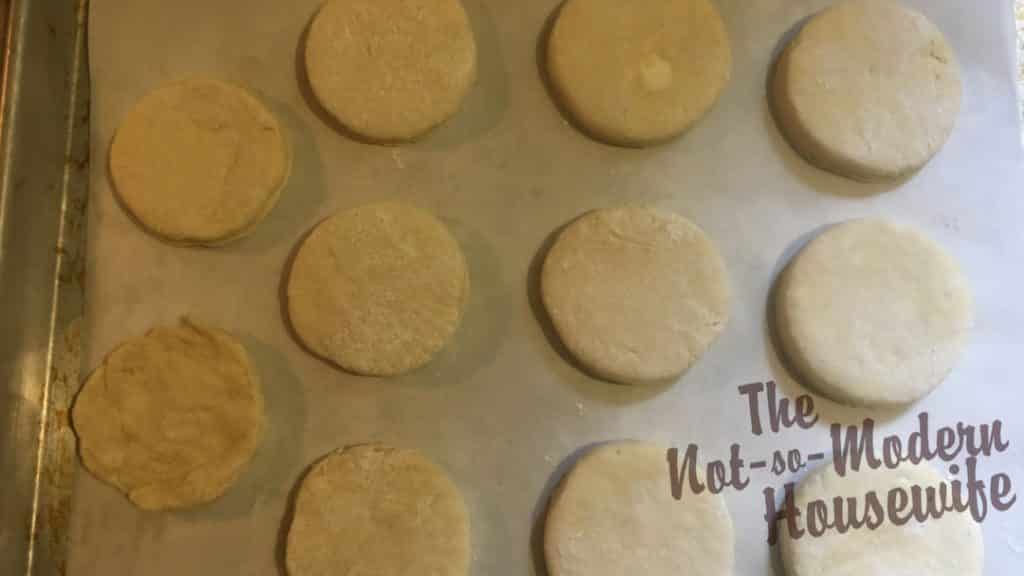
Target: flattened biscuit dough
x=390 y=70
x=171 y=418
x=635 y=295
x=614 y=514
x=378 y=289
x=873 y=313
x=868 y=89
x=378 y=510
x=949 y=546
x=199 y=161
x=639 y=72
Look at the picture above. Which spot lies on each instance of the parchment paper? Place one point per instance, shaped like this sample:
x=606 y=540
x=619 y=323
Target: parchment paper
x=502 y=410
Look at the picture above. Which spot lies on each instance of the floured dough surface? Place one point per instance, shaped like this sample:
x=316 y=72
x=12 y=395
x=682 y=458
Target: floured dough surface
x=639 y=72
x=868 y=89
x=373 y=509
x=171 y=418
x=873 y=313
x=614 y=514
x=390 y=70
x=636 y=295
x=378 y=289
x=199 y=161
x=949 y=546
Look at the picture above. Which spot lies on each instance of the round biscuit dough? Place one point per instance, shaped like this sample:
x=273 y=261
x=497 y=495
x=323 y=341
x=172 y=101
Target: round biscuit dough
x=378 y=510
x=640 y=72
x=614 y=514
x=378 y=289
x=390 y=70
x=199 y=161
x=949 y=546
x=635 y=295
x=873 y=313
x=171 y=418
x=868 y=89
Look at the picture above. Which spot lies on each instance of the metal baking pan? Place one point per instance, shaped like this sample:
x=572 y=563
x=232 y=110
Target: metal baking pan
x=43 y=190
x=506 y=172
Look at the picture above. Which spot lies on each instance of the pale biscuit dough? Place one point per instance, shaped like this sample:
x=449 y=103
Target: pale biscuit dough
x=949 y=546
x=868 y=89
x=171 y=418
x=379 y=289
x=199 y=161
x=614 y=514
x=390 y=70
x=378 y=510
x=873 y=313
x=639 y=72
x=635 y=295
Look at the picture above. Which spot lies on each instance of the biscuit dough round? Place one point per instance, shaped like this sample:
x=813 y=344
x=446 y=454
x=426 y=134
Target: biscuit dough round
x=868 y=89
x=199 y=161
x=379 y=289
x=949 y=546
x=378 y=510
x=639 y=72
x=635 y=295
x=171 y=418
x=390 y=70
x=873 y=313
x=614 y=514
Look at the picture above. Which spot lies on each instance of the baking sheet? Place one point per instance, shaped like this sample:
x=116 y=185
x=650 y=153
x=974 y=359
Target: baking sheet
x=44 y=169
x=501 y=409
